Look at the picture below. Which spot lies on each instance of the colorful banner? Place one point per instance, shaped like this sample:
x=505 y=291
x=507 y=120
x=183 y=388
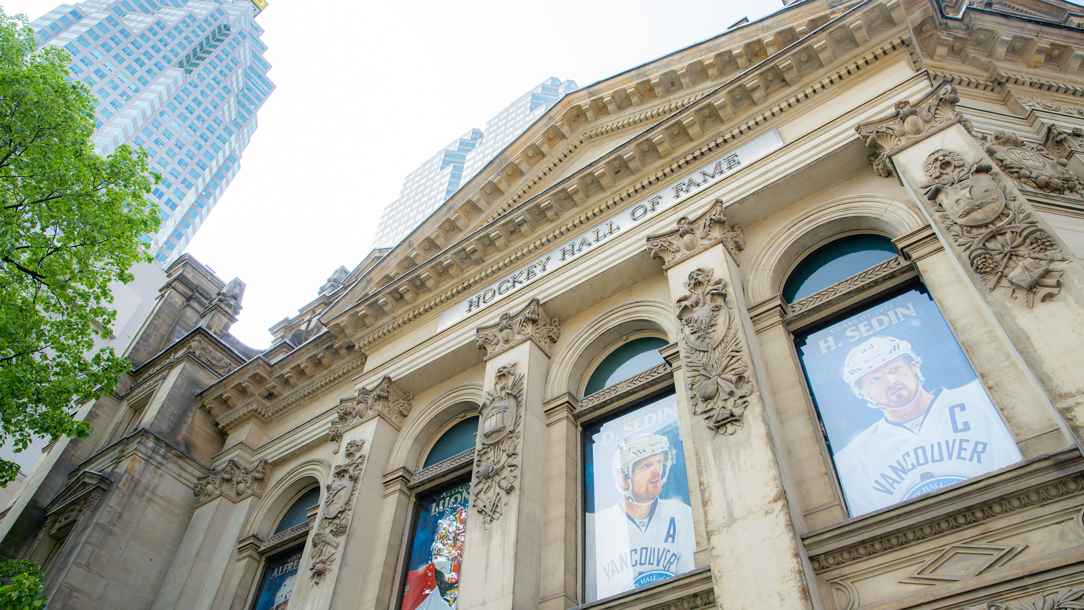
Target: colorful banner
x=278 y=582
x=903 y=411
x=639 y=525
x=433 y=580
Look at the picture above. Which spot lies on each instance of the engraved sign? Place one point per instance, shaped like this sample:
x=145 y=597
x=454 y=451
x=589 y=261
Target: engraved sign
x=657 y=201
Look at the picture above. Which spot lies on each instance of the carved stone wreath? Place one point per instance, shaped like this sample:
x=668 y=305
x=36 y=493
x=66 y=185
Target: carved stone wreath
x=233 y=482
x=529 y=323
x=1003 y=242
x=695 y=234
x=496 y=466
x=1032 y=165
x=719 y=386
x=339 y=496
x=386 y=399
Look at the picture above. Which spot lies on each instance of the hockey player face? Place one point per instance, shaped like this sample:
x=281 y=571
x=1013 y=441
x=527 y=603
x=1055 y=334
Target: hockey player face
x=893 y=384
x=647 y=478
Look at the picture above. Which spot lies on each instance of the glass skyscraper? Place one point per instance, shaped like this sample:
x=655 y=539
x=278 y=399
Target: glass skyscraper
x=183 y=78
x=425 y=188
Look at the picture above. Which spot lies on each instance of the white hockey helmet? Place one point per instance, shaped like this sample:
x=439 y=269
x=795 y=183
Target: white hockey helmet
x=635 y=449
x=872 y=354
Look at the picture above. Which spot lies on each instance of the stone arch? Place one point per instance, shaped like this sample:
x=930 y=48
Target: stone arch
x=570 y=365
x=279 y=497
x=876 y=214
x=427 y=422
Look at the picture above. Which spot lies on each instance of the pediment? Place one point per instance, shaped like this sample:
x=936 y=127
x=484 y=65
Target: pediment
x=78 y=490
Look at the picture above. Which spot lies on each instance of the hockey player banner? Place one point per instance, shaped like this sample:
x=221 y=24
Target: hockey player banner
x=433 y=580
x=278 y=584
x=902 y=409
x=639 y=525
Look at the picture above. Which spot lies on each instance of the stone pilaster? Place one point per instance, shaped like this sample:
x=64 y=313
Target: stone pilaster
x=748 y=524
x=559 y=586
x=391 y=526
x=502 y=561
x=971 y=190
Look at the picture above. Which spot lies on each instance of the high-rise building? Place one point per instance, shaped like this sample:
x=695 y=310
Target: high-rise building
x=425 y=188
x=183 y=78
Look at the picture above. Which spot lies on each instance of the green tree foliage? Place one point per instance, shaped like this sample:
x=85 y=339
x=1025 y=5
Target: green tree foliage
x=23 y=588
x=71 y=222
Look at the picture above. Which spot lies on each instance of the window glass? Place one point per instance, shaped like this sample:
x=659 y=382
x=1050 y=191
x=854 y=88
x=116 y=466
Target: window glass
x=278 y=581
x=432 y=581
x=902 y=410
x=639 y=524
x=624 y=362
x=835 y=262
x=297 y=513
x=456 y=440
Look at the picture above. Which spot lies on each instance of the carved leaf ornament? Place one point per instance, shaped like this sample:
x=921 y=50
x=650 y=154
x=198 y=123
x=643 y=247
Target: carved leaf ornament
x=719 y=386
x=233 y=482
x=496 y=466
x=1065 y=599
x=339 y=496
x=1032 y=165
x=1004 y=243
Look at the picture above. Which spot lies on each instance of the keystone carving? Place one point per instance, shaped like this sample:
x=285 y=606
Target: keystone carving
x=233 y=482
x=695 y=234
x=1065 y=599
x=1032 y=165
x=496 y=466
x=1063 y=144
x=1003 y=241
x=909 y=123
x=530 y=324
x=339 y=496
x=714 y=357
x=386 y=400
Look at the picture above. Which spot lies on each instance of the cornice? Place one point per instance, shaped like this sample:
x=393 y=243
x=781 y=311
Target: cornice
x=854 y=39
x=364 y=324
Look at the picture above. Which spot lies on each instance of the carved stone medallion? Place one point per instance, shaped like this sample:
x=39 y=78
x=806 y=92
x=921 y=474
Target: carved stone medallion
x=1004 y=243
x=529 y=324
x=1032 y=165
x=714 y=357
x=496 y=466
x=694 y=234
x=339 y=496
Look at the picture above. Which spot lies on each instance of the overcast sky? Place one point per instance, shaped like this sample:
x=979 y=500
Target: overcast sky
x=367 y=91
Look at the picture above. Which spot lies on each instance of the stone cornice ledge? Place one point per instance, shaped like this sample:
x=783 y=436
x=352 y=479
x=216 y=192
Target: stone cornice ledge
x=640 y=382
x=445 y=467
x=691 y=591
x=1035 y=482
x=149 y=447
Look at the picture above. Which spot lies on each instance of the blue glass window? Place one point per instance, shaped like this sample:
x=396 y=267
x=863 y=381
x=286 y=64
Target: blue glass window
x=834 y=262
x=624 y=362
x=456 y=440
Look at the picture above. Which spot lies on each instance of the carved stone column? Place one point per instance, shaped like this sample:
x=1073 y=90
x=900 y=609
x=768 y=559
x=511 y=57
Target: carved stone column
x=502 y=560
x=391 y=525
x=971 y=190
x=748 y=523
x=333 y=569
x=560 y=582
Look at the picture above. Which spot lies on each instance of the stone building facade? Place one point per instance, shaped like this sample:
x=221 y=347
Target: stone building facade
x=791 y=318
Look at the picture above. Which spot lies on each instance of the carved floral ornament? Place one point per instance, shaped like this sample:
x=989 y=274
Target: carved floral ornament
x=694 y=234
x=385 y=400
x=1004 y=243
x=910 y=122
x=1035 y=103
x=530 y=324
x=496 y=465
x=714 y=356
x=1065 y=599
x=1032 y=165
x=233 y=482
x=1062 y=144
x=339 y=496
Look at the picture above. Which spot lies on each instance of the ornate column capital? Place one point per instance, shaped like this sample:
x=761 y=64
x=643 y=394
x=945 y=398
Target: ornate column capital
x=693 y=235
x=385 y=400
x=911 y=122
x=234 y=481
x=528 y=324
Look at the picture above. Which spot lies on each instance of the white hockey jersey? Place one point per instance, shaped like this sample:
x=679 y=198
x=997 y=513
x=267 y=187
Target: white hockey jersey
x=628 y=556
x=961 y=436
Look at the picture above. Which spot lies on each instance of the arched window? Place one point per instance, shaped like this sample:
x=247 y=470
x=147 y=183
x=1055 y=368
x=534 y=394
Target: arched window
x=834 y=262
x=284 y=548
x=626 y=360
x=901 y=409
x=454 y=441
